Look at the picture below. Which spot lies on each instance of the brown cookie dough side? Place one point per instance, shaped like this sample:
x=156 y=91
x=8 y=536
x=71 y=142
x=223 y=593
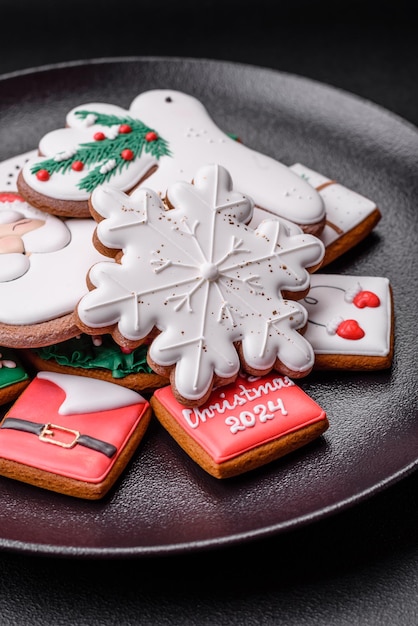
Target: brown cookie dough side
x=245 y=462
x=140 y=382
x=55 y=206
x=38 y=335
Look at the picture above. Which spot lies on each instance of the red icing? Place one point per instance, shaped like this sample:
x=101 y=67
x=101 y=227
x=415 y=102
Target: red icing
x=127 y=154
x=151 y=136
x=350 y=329
x=8 y=196
x=99 y=136
x=40 y=403
x=366 y=298
x=42 y=175
x=125 y=129
x=77 y=166
x=244 y=415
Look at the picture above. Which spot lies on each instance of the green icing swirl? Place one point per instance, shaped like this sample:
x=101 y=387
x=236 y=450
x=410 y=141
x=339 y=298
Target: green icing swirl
x=81 y=352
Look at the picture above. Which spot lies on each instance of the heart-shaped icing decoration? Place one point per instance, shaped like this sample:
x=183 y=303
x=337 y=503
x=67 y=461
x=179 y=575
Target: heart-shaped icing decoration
x=350 y=329
x=366 y=298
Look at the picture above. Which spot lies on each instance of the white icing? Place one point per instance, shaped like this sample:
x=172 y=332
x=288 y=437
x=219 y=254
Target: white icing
x=345 y=209
x=88 y=395
x=9 y=212
x=47 y=284
x=351 y=292
x=203 y=278
x=108 y=166
x=194 y=140
x=332 y=325
x=326 y=304
x=49 y=234
x=64 y=155
x=53 y=282
x=12 y=266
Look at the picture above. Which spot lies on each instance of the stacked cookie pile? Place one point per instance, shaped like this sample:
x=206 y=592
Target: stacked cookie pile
x=154 y=266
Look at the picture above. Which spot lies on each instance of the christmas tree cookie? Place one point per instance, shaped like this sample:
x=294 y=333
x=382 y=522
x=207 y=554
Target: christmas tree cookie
x=163 y=137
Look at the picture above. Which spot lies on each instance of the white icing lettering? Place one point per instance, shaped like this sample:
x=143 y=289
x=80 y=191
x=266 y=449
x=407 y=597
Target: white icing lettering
x=196 y=415
x=249 y=419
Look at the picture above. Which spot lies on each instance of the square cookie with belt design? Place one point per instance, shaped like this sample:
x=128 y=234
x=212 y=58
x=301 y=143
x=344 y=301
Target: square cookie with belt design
x=72 y=434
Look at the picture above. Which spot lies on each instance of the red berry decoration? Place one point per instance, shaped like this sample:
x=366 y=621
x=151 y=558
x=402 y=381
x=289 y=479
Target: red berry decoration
x=42 y=175
x=125 y=350
x=99 y=136
x=77 y=166
x=151 y=136
x=127 y=154
x=124 y=129
x=350 y=329
x=366 y=298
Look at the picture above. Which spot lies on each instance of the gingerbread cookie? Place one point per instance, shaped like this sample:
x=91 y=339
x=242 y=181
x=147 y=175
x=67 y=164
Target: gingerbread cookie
x=72 y=434
x=207 y=282
x=43 y=266
x=243 y=426
x=99 y=357
x=350 y=216
x=14 y=377
x=163 y=137
x=350 y=321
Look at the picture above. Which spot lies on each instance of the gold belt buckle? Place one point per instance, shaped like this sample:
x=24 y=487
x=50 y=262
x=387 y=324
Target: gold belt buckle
x=48 y=432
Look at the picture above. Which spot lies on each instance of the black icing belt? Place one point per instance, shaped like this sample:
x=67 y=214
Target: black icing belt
x=46 y=433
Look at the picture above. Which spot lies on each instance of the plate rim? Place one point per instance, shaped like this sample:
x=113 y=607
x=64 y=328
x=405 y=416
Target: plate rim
x=303 y=520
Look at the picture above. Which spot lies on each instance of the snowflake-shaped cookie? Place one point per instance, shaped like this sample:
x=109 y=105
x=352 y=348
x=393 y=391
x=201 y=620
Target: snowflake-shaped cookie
x=209 y=283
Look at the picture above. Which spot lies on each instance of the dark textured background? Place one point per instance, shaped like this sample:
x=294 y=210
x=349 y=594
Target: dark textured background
x=357 y=567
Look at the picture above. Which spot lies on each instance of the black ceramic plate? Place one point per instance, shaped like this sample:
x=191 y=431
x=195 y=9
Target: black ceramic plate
x=164 y=503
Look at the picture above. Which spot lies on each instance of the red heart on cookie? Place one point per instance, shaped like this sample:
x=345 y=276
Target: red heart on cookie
x=350 y=329
x=366 y=298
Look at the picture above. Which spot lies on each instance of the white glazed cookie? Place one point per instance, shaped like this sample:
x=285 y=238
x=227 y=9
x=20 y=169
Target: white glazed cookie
x=350 y=216
x=210 y=284
x=350 y=321
x=165 y=136
x=43 y=266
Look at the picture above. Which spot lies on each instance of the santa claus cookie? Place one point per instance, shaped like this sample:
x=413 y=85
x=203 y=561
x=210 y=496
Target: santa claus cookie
x=209 y=286
x=243 y=426
x=163 y=137
x=43 y=265
x=72 y=434
x=350 y=321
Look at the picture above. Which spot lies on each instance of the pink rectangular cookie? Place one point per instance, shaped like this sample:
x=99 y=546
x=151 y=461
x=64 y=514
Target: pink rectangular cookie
x=244 y=425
